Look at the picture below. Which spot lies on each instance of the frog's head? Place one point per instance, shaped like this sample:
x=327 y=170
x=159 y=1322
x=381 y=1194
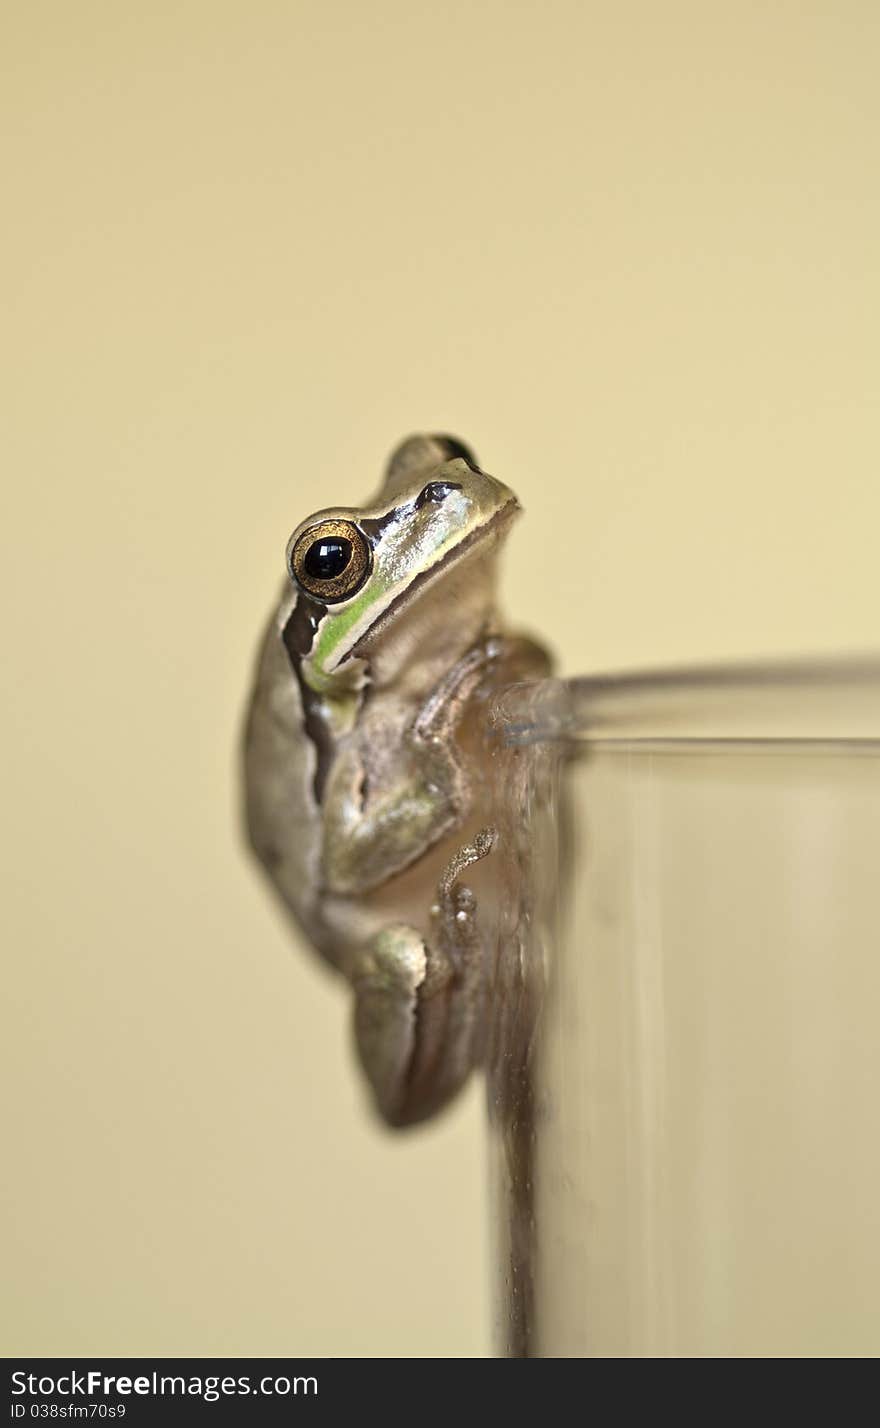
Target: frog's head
x=412 y=572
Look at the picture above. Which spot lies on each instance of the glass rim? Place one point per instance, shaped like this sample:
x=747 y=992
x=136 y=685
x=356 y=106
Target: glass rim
x=829 y=699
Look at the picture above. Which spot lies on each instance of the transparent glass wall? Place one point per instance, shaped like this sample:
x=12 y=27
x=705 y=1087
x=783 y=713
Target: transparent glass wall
x=685 y=1046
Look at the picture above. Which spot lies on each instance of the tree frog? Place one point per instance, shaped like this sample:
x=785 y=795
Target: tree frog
x=364 y=769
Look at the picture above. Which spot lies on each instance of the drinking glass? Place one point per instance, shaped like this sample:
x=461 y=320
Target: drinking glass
x=684 y=1050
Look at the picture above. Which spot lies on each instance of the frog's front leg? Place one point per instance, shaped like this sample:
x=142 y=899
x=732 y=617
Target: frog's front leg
x=418 y=1002
x=379 y=818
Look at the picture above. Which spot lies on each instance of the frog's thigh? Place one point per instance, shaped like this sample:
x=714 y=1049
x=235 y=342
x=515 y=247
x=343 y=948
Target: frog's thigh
x=418 y=1003
x=386 y=988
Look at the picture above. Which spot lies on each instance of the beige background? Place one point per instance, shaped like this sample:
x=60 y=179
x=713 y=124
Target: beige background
x=629 y=251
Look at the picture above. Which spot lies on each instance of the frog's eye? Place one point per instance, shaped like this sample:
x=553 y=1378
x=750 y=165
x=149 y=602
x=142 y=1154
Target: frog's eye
x=330 y=560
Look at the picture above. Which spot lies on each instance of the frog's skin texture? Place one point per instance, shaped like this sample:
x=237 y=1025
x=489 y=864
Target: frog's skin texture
x=363 y=770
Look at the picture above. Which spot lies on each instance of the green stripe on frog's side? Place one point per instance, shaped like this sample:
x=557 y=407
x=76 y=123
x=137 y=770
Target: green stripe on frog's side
x=335 y=639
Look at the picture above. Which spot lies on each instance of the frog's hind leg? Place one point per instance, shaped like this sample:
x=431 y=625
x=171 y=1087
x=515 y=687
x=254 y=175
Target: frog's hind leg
x=418 y=1007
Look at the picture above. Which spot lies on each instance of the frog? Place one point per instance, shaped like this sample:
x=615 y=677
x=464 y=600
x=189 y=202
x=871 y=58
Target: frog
x=365 y=766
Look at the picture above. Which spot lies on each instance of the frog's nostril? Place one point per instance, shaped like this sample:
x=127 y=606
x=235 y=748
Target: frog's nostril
x=435 y=492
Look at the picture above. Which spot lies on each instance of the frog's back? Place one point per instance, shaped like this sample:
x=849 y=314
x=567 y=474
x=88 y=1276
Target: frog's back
x=279 y=766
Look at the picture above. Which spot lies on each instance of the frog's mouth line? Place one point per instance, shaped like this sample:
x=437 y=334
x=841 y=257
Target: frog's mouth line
x=422 y=583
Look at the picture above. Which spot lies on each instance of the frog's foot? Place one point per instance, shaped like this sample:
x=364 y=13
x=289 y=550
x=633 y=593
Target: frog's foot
x=483 y=844
x=418 y=1002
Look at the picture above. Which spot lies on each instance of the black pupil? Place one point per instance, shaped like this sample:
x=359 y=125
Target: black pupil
x=327 y=558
